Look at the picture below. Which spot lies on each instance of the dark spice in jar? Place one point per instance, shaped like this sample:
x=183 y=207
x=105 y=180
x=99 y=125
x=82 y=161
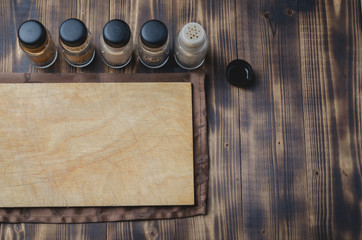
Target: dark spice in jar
x=154 y=44
x=76 y=43
x=116 y=44
x=37 y=43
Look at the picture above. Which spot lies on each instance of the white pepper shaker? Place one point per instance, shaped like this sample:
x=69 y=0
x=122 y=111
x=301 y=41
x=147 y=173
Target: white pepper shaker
x=191 y=46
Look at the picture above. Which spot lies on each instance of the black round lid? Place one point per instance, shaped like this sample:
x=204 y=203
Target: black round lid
x=154 y=33
x=73 y=32
x=116 y=33
x=32 y=34
x=239 y=73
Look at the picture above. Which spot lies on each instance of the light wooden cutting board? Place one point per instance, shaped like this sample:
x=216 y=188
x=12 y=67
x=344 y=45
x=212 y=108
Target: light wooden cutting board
x=96 y=144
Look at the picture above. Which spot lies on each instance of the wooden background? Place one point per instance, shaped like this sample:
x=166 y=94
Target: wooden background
x=285 y=154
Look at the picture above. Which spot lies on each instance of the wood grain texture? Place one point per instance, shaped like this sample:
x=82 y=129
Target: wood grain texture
x=274 y=191
x=53 y=13
x=285 y=155
x=225 y=220
x=92 y=144
x=136 y=13
x=331 y=51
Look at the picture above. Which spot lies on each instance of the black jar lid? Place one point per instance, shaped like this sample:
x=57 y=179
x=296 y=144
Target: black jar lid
x=73 y=32
x=239 y=73
x=116 y=33
x=154 y=33
x=32 y=34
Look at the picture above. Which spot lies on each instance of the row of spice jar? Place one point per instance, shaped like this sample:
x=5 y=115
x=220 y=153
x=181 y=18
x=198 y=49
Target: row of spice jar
x=116 y=44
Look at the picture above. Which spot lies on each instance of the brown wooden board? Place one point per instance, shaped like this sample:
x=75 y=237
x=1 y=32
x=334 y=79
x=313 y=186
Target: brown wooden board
x=100 y=214
x=96 y=144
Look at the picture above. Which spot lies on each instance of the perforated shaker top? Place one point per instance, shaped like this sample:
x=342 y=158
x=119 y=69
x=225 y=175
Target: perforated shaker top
x=193 y=34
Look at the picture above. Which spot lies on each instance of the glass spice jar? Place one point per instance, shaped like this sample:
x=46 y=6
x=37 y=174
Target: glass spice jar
x=191 y=46
x=154 y=44
x=116 y=44
x=37 y=44
x=76 y=43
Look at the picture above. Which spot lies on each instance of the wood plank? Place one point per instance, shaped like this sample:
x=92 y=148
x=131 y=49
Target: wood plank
x=224 y=219
x=225 y=210
x=38 y=231
x=144 y=11
x=7 y=36
x=95 y=14
x=51 y=14
x=136 y=13
x=331 y=53
x=91 y=144
x=127 y=11
x=274 y=192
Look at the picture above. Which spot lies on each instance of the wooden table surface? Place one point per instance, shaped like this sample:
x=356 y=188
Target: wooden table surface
x=285 y=154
